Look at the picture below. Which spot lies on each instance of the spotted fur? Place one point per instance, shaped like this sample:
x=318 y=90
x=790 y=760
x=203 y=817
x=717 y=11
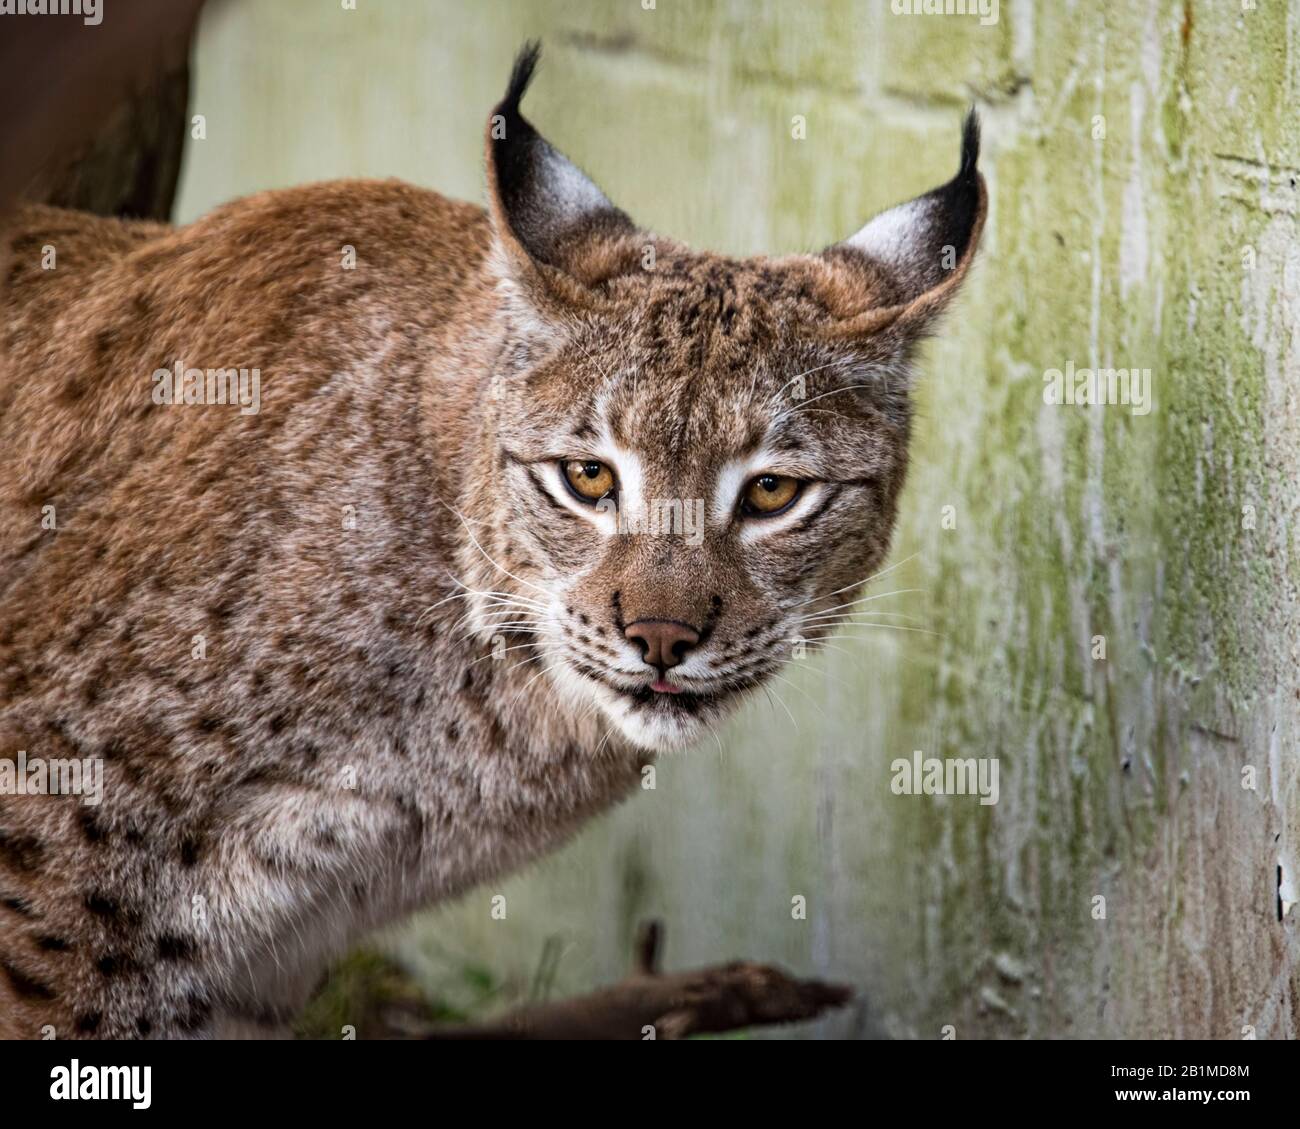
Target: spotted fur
x=414 y=671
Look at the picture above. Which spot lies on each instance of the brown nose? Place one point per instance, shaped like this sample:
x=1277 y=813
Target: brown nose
x=663 y=642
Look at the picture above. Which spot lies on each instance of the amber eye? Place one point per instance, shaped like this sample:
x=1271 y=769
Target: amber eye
x=589 y=480
x=770 y=494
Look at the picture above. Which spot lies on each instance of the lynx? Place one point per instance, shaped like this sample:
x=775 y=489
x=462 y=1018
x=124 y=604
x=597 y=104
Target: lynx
x=407 y=624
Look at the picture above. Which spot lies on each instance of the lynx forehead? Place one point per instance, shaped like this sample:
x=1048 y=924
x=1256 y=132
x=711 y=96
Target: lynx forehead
x=528 y=496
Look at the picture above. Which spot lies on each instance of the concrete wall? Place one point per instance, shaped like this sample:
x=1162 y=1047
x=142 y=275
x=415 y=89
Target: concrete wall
x=1142 y=161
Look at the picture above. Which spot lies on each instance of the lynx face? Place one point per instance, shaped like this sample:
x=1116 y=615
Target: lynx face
x=689 y=516
x=697 y=459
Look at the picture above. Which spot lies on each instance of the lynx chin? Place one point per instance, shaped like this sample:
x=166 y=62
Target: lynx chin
x=456 y=442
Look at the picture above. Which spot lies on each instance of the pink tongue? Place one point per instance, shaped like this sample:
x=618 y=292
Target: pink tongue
x=662 y=687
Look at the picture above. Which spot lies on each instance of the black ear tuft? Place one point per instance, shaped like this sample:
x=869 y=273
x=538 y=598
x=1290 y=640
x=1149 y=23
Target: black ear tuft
x=521 y=74
x=970 y=142
x=927 y=242
x=960 y=200
x=539 y=198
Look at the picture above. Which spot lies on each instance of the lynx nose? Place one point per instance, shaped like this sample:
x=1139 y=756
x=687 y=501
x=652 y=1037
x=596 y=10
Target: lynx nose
x=663 y=642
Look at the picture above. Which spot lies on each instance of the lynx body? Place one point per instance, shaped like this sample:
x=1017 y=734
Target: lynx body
x=403 y=625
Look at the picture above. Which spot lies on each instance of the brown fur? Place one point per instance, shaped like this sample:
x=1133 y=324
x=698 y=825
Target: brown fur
x=357 y=556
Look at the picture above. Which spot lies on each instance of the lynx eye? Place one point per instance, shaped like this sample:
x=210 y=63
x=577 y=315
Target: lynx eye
x=770 y=494
x=588 y=480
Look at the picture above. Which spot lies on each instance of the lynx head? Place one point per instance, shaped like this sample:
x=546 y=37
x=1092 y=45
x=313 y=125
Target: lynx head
x=693 y=457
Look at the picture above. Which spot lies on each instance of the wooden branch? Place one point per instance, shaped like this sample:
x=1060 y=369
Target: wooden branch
x=648 y=1004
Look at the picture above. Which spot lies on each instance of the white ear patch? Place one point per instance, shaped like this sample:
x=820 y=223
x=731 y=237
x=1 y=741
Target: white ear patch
x=571 y=193
x=894 y=237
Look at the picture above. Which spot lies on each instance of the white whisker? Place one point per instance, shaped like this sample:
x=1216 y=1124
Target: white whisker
x=535 y=677
x=520 y=647
x=806 y=372
x=855 y=615
x=803 y=404
x=488 y=557
x=796 y=686
x=889 y=627
x=857 y=583
x=855 y=603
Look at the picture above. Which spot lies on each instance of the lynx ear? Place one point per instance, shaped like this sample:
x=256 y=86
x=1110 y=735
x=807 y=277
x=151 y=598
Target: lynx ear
x=554 y=224
x=909 y=261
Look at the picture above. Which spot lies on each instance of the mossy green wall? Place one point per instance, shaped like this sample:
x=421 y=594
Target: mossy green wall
x=1142 y=163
